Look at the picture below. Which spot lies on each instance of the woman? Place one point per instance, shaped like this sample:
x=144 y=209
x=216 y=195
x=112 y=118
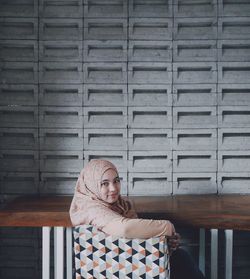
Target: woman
x=97 y=202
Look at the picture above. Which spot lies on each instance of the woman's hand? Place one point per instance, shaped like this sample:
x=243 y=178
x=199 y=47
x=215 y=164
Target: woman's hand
x=174 y=242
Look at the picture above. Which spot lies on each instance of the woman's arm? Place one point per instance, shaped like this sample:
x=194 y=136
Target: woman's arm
x=138 y=228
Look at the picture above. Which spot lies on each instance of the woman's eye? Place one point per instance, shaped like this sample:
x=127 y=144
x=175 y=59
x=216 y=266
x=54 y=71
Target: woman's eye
x=117 y=180
x=105 y=184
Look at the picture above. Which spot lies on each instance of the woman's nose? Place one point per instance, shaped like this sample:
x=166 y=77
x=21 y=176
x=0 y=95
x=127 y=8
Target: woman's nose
x=112 y=187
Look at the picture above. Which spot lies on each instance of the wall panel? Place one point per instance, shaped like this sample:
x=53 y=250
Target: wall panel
x=161 y=88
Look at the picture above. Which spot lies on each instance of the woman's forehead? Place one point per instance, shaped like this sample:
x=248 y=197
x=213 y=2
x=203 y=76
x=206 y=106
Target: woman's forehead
x=109 y=174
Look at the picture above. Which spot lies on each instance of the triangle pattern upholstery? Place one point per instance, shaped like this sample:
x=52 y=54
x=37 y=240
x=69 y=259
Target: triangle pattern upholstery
x=100 y=256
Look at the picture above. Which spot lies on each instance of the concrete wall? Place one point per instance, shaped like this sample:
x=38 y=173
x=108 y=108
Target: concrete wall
x=160 y=88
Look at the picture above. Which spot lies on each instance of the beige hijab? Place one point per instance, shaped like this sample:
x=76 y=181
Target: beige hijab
x=87 y=207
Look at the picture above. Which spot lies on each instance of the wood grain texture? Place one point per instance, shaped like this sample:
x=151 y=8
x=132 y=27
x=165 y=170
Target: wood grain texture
x=207 y=211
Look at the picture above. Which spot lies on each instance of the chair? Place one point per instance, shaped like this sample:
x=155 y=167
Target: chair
x=101 y=256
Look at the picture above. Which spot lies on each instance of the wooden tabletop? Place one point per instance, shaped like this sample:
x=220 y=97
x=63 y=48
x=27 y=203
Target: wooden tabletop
x=203 y=211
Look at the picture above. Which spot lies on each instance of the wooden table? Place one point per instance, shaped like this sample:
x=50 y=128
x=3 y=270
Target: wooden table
x=227 y=212
x=202 y=211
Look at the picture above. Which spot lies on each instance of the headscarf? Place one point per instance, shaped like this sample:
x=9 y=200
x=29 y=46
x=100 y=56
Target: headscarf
x=87 y=207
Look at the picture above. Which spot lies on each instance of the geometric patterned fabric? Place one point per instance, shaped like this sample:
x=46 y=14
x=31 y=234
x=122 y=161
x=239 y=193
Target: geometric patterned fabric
x=101 y=256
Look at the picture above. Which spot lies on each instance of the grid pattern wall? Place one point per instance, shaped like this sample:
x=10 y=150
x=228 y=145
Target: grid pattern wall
x=160 y=88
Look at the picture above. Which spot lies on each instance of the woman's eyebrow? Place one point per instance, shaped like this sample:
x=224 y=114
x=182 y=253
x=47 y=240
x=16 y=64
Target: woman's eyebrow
x=106 y=180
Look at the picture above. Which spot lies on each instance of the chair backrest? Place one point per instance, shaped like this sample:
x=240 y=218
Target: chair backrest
x=101 y=256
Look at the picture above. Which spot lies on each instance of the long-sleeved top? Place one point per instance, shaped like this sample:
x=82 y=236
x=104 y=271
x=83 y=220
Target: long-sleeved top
x=138 y=228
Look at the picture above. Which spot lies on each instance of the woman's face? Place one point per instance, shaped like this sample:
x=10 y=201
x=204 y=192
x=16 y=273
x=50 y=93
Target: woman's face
x=110 y=186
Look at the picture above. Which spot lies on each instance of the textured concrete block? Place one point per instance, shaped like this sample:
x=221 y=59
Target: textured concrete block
x=194 y=139
x=105 y=51
x=150 y=161
x=233 y=183
x=58 y=183
x=105 y=29
x=149 y=184
x=197 y=72
x=19 y=138
x=194 y=117
x=230 y=94
x=60 y=51
x=60 y=95
x=105 y=95
x=149 y=139
x=19 y=182
x=19 y=160
x=150 y=8
x=234 y=139
x=20 y=8
x=155 y=51
x=19 y=94
x=195 y=8
x=60 y=72
x=105 y=117
x=194 y=183
x=118 y=158
x=18 y=72
x=60 y=29
x=64 y=183
x=16 y=116
x=105 y=73
x=61 y=139
x=61 y=161
x=195 y=28
x=105 y=139
x=150 y=117
x=234 y=8
x=233 y=161
x=149 y=95
x=194 y=95
x=19 y=28
x=18 y=50
x=233 y=50
x=159 y=29
x=149 y=72
x=194 y=50
x=233 y=28
x=66 y=9
x=60 y=117
x=200 y=161
x=105 y=8
x=234 y=116
x=233 y=72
